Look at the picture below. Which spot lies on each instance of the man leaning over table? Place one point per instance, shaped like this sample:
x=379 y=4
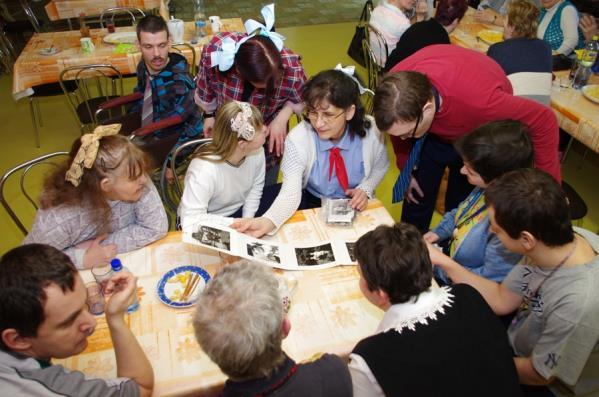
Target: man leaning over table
x=43 y=315
x=165 y=89
x=436 y=96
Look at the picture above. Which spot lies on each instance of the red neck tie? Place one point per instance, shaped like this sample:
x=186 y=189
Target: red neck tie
x=335 y=160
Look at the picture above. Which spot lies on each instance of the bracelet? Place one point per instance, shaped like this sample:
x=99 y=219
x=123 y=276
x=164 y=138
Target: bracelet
x=208 y=115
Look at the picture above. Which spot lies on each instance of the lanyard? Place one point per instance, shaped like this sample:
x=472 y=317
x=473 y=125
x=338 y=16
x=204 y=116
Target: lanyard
x=471 y=203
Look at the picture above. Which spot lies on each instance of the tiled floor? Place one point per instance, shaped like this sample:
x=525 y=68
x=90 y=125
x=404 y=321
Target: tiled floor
x=321 y=46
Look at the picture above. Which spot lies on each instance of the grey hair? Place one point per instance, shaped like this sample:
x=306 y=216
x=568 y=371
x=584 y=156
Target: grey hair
x=238 y=321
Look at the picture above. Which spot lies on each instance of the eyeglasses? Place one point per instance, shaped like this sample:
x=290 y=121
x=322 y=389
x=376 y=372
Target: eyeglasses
x=413 y=133
x=326 y=118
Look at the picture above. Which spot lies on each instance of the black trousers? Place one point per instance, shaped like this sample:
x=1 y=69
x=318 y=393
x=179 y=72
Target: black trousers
x=436 y=155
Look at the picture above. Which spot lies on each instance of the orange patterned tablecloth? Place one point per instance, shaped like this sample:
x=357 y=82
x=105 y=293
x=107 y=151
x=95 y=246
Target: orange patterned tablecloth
x=63 y=9
x=32 y=68
x=328 y=312
x=576 y=115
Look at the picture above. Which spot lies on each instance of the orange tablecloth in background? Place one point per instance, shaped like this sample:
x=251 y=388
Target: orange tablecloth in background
x=576 y=115
x=328 y=312
x=33 y=69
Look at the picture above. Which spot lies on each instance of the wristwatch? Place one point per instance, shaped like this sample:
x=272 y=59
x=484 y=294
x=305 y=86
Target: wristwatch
x=208 y=115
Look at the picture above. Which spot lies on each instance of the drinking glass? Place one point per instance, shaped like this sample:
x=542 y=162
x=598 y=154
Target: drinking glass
x=102 y=273
x=95 y=299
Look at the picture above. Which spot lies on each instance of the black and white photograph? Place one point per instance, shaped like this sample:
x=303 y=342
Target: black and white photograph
x=213 y=237
x=312 y=256
x=339 y=211
x=350 y=250
x=264 y=252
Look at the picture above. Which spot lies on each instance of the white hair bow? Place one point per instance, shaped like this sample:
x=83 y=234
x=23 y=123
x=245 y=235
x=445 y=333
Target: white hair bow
x=349 y=72
x=241 y=123
x=226 y=56
x=268 y=13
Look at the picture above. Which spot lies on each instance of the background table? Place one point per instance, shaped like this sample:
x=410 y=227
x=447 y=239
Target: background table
x=576 y=115
x=65 y=9
x=33 y=69
x=328 y=311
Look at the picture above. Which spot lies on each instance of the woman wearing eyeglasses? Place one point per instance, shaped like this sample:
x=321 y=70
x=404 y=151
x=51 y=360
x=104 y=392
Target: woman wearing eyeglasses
x=336 y=152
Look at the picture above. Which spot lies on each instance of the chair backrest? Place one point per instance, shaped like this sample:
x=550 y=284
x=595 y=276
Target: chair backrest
x=122 y=11
x=171 y=194
x=96 y=84
x=184 y=47
x=30 y=15
x=378 y=45
x=373 y=69
x=367 y=100
x=24 y=170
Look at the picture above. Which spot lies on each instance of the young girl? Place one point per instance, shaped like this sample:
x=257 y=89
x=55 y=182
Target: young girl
x=336 y=152
x=226 y=176
x=100 y=202
x=488 y=152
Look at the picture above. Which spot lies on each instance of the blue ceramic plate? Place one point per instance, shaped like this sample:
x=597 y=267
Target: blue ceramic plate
x=172 y=285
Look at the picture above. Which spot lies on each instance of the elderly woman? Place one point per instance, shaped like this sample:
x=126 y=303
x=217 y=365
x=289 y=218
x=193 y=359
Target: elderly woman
x=240 y=324
x=525 y=59
x=558 y=26
x=390 y=18
x=432 y=341
x=336 y=152
x=257 y=69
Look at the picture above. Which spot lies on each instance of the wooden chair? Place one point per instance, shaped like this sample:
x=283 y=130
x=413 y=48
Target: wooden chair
x=24 y=169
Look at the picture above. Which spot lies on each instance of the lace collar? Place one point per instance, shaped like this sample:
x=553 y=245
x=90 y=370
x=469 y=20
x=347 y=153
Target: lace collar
x=406 y=315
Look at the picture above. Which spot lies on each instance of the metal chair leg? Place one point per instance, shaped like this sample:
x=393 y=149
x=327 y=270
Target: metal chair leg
x=34 y=121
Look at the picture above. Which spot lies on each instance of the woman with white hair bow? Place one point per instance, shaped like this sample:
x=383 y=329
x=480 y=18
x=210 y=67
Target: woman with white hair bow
x=253 y=67
x=336 y=152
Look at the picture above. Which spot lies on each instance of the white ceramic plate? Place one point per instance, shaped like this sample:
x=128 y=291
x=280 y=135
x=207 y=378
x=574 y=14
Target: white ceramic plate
x=120 y=37
x=591 y=92
x=172 y=284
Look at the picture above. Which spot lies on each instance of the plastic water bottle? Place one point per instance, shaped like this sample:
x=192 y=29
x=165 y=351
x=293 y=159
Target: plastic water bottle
x=199 y=19
x=587 y=60
x=117 y=266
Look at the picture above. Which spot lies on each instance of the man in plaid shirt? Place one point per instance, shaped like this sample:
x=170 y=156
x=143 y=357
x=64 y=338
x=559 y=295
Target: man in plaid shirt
x=215 y=87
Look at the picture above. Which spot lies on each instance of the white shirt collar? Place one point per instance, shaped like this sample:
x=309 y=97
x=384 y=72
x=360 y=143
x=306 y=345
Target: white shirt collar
x=425 y=308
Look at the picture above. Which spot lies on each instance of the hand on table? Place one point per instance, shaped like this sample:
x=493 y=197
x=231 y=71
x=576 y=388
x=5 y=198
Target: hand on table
x=255 y=227
x=359 y=199
x=95 y=252
x=413 y=187
x=430 y=237
x=487 y=16
x=122 y=288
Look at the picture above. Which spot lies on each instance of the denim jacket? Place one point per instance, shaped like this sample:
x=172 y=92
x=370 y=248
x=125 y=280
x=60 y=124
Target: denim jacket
x=481 y=252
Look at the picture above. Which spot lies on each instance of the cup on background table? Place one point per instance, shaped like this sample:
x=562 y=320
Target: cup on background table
x=110 y=26
x=102 y=273
x=215 y=23
x=95 y=298
x=176 y=29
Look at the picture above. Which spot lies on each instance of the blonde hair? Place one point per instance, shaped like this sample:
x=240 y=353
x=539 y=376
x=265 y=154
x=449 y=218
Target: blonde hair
x=523 y=17
x=114 y=152
x=238 y=321
x=224 y=139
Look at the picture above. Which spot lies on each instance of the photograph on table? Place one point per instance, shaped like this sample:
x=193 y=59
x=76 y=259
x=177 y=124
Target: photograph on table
x=317 y=255
x=350 y=250
x=265 y=252
x=213 y=237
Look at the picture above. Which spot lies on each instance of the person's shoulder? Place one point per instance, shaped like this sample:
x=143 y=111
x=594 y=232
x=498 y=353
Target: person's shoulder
x=300 y=133
x=330 y=369
x=177 y=63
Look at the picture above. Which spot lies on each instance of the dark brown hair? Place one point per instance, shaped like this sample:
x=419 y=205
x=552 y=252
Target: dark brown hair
x=151 y=24
x=531 y=200
x=24 y=273
x=400 y=97
x=395 y=260
x=496 y=148
x=450 y=10
x=259 y=61
x=340 y=91
x=114 y=151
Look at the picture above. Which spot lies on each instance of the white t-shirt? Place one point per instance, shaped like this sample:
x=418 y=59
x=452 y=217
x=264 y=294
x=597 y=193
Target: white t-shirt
x=219 y=188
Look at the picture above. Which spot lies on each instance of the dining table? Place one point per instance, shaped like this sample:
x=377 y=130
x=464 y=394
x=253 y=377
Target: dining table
x=577 y=114
x=47 y=54
x=66 y=9
x=328 y=312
